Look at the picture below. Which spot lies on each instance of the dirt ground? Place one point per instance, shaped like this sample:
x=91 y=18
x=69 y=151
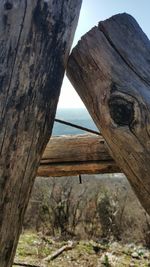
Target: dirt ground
x=34 y=248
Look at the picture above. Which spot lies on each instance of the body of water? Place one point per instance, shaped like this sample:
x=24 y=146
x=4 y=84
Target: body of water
x=76 y=116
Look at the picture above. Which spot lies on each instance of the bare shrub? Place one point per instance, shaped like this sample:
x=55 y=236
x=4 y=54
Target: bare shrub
x=111 y=214
x=60 y=210
x=90 y=219
x=100 y=207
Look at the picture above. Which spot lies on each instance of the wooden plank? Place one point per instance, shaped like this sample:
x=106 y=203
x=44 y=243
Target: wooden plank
x=110 y=69
x=76 y=154
x=76 y=168
x=70 y=148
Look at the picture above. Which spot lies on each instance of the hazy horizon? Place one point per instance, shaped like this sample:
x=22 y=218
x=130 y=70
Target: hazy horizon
x=79 y=116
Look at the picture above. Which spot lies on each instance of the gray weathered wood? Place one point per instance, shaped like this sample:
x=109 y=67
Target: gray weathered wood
x=76 y=154
x=110 y=69
x=35 y=39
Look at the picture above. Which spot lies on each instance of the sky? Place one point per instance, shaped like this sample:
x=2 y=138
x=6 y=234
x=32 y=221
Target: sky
x=93 y=11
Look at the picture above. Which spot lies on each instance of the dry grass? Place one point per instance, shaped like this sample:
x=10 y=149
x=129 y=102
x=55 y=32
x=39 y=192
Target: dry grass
x=33 y=248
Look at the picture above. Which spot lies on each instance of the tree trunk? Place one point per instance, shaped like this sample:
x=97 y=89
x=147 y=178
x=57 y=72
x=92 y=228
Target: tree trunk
x=110 y=69
x=76 y=154
x=35 y=39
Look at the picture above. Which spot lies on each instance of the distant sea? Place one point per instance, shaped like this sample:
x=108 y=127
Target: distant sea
x=76 y=116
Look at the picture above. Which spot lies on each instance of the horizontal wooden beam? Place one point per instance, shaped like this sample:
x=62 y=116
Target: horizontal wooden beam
x=76 y=154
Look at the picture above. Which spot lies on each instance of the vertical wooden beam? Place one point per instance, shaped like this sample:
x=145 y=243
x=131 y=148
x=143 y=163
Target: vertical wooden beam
x=35 y=39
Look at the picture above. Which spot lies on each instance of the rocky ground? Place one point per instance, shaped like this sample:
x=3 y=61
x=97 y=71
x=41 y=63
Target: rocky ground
x=33 y=248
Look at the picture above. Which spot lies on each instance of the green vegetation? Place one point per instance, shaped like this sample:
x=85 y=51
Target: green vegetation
x=101 y=216
x=106 y=261
x=33 y=248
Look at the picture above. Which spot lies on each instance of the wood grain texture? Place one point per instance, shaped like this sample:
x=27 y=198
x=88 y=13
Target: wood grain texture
x=77 y=168
x=110 y=69
x=76 y=154
x=35 y=39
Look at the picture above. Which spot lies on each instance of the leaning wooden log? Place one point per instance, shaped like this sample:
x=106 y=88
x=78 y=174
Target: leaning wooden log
x=110 y=69
x=76 y=154
x=35 y=39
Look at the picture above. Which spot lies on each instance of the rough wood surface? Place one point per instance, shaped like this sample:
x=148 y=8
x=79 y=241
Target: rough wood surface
x=76 y=168
x=110 y=69
x=35 y=39
x=76 y=154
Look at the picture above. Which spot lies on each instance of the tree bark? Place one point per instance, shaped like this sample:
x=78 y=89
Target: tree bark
x=35 y=39
x=76 y=154
x=110 y=69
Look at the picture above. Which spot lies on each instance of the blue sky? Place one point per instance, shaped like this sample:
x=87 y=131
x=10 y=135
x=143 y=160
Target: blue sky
x=92 y=12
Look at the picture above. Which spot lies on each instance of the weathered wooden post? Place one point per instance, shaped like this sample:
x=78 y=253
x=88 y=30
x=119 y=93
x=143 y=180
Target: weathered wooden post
x=35 y=39
x=110 y=69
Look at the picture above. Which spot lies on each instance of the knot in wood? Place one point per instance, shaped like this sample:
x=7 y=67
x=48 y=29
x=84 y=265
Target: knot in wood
x=8 y=6
x=121 y=110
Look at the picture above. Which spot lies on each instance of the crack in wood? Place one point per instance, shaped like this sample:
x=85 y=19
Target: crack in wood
x=101 y=27
x=13 y=67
